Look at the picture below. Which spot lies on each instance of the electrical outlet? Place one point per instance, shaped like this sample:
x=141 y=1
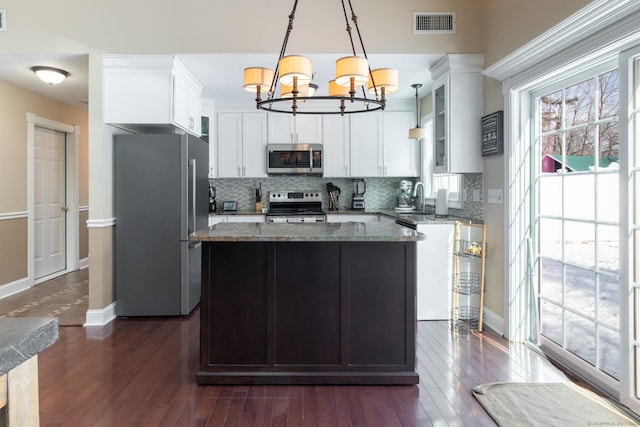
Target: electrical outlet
x=476 y=195
x=494 y=196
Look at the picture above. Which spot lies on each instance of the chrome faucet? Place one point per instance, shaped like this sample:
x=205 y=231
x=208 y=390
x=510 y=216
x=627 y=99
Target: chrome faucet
x=415 y=193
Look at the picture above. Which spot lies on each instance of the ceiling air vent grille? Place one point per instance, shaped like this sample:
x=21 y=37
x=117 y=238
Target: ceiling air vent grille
x=434 y=22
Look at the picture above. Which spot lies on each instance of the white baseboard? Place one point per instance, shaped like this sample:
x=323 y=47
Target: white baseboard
x=83 y=263
x=101 y=317
x=14 y=287
x=493 y=321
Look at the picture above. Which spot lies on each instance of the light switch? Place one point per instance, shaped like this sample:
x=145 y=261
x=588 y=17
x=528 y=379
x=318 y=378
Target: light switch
x=494 y=196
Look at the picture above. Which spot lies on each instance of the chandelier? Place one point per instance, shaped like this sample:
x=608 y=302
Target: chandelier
x=295 y=72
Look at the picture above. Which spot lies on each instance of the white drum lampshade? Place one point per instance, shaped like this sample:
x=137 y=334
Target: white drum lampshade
x=352 y=66
x=295 y=66
x=337 y=90
x=387 y=78
x=255 y=77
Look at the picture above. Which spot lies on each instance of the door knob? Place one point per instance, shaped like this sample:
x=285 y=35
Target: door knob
x=64 y=208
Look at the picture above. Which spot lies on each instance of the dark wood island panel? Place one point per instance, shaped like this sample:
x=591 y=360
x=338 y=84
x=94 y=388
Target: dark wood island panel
x=288 y=312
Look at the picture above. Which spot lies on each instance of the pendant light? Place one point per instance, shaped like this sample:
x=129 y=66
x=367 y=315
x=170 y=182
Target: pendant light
x=294 y=74
x=417 y=132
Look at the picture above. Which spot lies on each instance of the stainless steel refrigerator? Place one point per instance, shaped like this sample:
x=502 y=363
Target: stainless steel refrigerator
x=160 y=197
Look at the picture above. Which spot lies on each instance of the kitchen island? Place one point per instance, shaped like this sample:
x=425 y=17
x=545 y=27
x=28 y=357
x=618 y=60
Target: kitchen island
x=324 y=303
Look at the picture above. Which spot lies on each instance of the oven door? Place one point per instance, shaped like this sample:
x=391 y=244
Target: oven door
x=294 y=159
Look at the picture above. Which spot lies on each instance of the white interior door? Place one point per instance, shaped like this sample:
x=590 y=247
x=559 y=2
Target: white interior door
x=49 y=202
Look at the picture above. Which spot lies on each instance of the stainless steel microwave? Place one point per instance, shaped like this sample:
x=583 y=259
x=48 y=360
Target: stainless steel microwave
x=294 y=159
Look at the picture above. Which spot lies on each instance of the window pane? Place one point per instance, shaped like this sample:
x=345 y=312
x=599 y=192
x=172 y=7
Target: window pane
x=579 y=103
x=550 y=238
x=551 y=321
x=550 y=195
x=608 y=198
x=581 y=290
x=581 y=143
x=608 y=249
x=609 y=136
x=579 y=196
x=609 y=94
x=609 y=301
x=581 y=339
x=579 y=244
x=551 y=153
x=609 y=351
x=551 y=280
x=551 y=111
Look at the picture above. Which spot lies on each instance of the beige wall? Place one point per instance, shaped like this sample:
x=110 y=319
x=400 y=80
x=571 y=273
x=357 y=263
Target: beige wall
x=508 y=25
x=253 y=26
x=15 y=103
x=13 y=250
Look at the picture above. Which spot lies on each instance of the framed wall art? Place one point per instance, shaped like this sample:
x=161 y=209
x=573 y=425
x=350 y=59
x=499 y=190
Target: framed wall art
x=492 y=134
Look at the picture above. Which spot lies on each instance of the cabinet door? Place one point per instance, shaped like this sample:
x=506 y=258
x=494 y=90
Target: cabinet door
x=440 y=130
x=280 y=129
x=229 y=145
x=307 y=129
x=400 y=152
x=254 y=145
x=187 y=106
x=245 y=218
x=366 y=153
x=335 y=146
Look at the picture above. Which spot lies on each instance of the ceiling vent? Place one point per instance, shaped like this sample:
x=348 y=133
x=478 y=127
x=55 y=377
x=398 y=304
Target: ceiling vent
x=434 y=22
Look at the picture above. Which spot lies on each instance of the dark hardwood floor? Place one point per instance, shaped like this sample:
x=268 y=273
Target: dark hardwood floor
x=141 y=372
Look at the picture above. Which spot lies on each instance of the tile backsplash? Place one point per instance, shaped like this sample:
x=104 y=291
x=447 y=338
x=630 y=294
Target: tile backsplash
x=380 y=194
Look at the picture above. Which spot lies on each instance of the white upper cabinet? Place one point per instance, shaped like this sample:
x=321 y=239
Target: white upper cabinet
x=457 y=108
x=380 y=145
x=298 y=129
x=146 y=92
x=400 y=154
x=335 y=146
x=366 y=145
x=242 y=145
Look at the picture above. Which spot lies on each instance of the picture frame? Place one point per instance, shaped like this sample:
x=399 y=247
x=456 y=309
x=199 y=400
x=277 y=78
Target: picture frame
x=492 y=133
x=3 y=19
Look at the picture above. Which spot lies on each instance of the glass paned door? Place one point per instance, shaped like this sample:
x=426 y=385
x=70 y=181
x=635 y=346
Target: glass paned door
x=577 y=221
x=630 y=250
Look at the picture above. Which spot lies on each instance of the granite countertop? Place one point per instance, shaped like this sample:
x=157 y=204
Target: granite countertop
x=413 y=218
x=317 y=232
x=23 y=337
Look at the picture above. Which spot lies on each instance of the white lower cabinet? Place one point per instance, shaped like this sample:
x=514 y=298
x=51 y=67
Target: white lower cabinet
x=353 y=217
x=434 y=272
x=245 y=218
x=217 y=219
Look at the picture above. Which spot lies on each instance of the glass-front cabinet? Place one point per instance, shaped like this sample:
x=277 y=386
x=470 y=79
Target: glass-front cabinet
x=439 y=140
x=457 y=106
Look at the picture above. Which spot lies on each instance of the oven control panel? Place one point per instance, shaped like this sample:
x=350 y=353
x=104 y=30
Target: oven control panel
x=295 y=196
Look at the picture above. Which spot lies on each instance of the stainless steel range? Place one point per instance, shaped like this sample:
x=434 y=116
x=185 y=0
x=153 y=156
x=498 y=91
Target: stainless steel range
x=295 y=206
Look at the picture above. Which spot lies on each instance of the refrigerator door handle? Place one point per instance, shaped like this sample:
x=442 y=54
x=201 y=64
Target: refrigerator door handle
x=192 y=163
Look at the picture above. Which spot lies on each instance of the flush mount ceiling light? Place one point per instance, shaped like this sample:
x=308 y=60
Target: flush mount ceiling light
x=417 y=132
x=50 y=75
x=295 y=72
